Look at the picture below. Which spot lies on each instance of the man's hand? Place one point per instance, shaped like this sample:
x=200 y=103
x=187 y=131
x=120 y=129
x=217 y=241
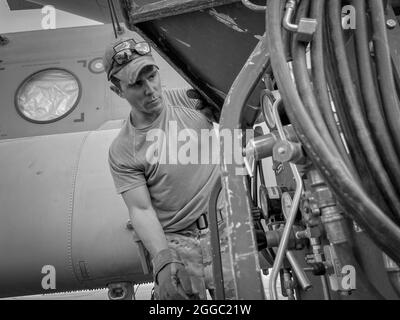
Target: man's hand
x=171 y=276
x=211 y=112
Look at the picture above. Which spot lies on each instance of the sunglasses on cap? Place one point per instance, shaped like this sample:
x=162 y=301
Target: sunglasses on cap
x=129 y=50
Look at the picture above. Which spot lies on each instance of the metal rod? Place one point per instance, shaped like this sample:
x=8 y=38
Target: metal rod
x=299 y=272
x=292 y=215
x=215 y=241
x=112 y=18
x=325 y=288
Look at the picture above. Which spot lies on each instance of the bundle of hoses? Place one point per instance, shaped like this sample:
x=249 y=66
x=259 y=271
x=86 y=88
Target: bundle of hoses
x=359 y=154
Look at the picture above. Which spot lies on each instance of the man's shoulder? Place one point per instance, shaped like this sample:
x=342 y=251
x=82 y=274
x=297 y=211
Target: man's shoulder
x=188 y=117
x=122 y=141
x=178 y=97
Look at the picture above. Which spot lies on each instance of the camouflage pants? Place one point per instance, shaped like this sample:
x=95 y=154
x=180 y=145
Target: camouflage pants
x=193 y=248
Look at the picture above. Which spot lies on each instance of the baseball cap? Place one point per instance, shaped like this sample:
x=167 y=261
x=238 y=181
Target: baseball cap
x=127 y=57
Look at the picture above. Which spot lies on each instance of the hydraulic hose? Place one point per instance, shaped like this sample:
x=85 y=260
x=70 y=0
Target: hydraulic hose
x=355 y=111
x=304 y=85
x=306 y=92
x=354 y=199
x=385 y=70
x=346 y=124
x=372 y=100
x=319 y=80
x=338 y=95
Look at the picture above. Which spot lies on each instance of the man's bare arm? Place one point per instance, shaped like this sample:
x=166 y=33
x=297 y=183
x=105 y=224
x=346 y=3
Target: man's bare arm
x=169 y=272
x=144 y=220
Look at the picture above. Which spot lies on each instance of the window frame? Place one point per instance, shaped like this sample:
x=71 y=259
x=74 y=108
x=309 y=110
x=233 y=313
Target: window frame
x=27 y=79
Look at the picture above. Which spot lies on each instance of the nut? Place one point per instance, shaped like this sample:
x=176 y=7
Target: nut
x=391 y=23
x=307 y=28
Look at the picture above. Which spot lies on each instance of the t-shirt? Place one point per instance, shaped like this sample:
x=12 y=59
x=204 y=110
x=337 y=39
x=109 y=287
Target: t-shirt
x=176 y=156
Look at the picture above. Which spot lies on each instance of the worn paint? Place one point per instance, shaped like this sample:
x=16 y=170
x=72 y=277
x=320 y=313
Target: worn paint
x=227 y=20
x=184 y=43
x=243 y=256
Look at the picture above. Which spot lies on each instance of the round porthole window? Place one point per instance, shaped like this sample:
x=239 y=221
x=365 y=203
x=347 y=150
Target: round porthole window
x=48 y=95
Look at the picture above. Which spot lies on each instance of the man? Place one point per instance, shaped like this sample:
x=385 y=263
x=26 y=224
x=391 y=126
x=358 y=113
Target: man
x=167 y=200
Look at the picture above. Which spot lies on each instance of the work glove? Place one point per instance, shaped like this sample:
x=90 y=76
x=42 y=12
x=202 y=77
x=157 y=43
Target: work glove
x=171 y=277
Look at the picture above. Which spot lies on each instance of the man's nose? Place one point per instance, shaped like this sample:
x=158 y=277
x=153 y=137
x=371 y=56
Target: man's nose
x=149 y=88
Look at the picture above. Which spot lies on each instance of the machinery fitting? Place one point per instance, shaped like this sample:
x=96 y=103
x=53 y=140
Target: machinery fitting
x=305 y=29
x=342 y=278
x=317 y=268
x=274 y=237
x=287 y=284
x=261 y=147
x=301 y=276
x=320 y=190
x=391 y=23
x=120 y=291
x=310 y=210
x=286 y=151
x=335 y=224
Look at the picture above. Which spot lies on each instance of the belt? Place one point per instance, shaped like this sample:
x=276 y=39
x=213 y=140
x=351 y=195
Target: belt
x=202 y=222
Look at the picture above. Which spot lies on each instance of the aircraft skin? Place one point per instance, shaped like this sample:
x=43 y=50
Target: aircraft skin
x=79 y=51
x=59 y=207
x=93 y=9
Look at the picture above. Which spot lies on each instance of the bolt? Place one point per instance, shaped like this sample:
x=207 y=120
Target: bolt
x=129 y=225
x=4 y=40
x=282 y=151
x=391 y=23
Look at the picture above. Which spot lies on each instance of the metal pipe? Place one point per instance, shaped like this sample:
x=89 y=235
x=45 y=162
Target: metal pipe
x=248 y=4
x=287 y=19
x=292 y=215
x=299 y=271
x=325 y=287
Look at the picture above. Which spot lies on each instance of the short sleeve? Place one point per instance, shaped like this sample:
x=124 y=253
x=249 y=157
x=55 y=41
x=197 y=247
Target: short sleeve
x=127 y=175
x=179 y=97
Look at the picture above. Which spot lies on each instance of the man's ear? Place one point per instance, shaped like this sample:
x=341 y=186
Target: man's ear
x=117 y=90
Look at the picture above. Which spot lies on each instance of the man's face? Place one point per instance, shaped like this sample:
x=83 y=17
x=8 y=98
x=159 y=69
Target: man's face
x=145 y=95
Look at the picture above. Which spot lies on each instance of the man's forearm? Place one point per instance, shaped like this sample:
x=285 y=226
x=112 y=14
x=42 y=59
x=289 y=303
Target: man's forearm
x=149 y=230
